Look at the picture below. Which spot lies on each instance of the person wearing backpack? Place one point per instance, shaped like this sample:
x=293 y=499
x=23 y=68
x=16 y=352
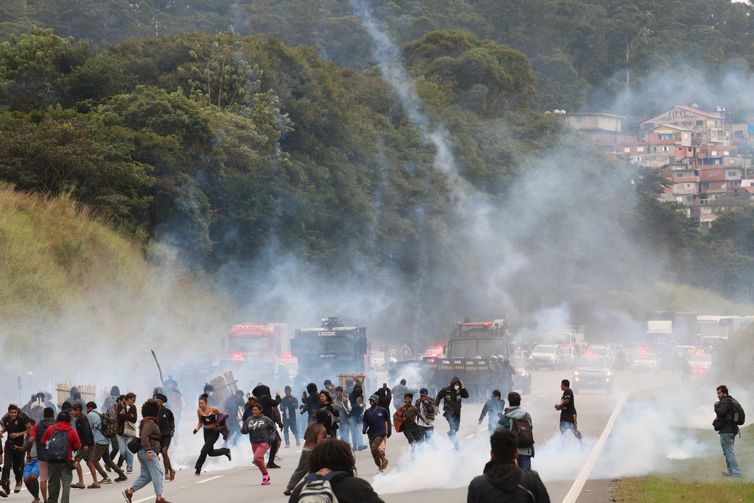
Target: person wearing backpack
x=61 y=440
x=331 y=477
x=729 y=415
x=502 y=480
x=102 y=444
x=48 y=419
x=516 y=419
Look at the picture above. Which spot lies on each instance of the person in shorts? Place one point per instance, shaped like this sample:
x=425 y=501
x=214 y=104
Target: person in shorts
x=31 y=468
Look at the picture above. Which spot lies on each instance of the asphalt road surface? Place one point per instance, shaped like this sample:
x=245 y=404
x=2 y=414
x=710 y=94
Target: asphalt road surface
x=437 y=473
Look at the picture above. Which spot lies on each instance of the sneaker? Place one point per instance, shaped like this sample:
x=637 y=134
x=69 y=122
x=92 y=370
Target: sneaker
x=107 y=481
x=121 y=478
x=287 y=446
x=272 y=465
x=727 y=474
x=287 y=492
x=127 y=495
x=265 y=480
x=19 y=486
x=230 y=458
x=197 y=472
x=362 y=447
x=129 y=470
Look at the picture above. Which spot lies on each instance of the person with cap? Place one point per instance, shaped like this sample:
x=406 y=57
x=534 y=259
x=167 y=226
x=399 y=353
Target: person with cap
x=426 y=419
x=378 y=429
x=167 y=430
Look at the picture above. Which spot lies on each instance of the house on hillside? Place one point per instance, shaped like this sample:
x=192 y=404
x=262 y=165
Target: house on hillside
x=605 y=130
x=705 y=127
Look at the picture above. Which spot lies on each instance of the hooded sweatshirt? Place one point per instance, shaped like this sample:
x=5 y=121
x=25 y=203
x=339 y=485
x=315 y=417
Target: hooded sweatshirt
x=507 y=483
x=261 y=429
x=452 y=398
x=264 y=398
x=74 y=444
x=511 y=415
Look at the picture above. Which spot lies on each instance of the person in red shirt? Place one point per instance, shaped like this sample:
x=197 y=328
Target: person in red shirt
x=60 y=472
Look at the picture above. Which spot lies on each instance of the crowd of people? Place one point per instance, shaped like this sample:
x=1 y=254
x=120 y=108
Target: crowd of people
x=44 y=447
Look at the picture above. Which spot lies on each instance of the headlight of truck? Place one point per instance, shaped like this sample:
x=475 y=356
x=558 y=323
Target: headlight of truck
x=576 y=373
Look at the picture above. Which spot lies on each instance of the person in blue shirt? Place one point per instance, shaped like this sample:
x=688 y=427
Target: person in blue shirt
x=101 y=446
x=378 y=429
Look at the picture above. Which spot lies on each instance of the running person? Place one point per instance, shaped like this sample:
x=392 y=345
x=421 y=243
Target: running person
x=262 y=432
x=451 y=397
x=167 y=430
x=567 y=408
x=208 y=418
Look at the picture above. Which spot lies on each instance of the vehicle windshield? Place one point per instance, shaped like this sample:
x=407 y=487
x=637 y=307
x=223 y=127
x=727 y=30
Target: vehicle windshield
x=470 y=348
x=249 y=344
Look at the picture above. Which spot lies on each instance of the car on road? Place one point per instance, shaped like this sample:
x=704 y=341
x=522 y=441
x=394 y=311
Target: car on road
x=603 y=351
x=700 y=364
x=644 y=359
x=544 y=356
x=592 y=372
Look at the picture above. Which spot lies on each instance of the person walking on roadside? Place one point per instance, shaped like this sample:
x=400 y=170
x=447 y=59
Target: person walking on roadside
x=126 y=417
x=377 y=428
x=502 y=480
x=261 y=431
x=150 y=469
x=426 y=418
x=519 y=421
x=101 y=444
x=86 y=452
x=492 y=409
x=452 y=396
x=333 y=461
x=61 y=440
x=567 y=408
x=288 y=408
x=167 y=431
x=314 y=435
x=48 y=419
x=728 y=416
x=14 y=424
x=209 y=418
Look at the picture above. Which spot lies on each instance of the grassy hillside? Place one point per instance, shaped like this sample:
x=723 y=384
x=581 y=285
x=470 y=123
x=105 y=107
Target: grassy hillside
x=66 y=272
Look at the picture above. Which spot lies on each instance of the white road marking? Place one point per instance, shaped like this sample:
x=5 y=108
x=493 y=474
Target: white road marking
x=469 y=437
x=209 y=479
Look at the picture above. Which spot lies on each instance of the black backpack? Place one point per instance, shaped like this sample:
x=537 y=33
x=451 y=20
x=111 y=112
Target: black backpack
x=523 y=430
x=57 y=446
x=739 y=416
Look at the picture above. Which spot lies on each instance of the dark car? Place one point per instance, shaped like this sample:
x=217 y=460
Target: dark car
x=592 y=373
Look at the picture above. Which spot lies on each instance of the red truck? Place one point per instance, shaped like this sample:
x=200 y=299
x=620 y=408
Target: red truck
x=260 y=353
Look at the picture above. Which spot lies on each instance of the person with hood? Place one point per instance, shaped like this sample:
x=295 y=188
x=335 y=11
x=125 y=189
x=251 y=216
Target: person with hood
x=269 y=405
x=356 y=397
x=342 y=404
x=310 y=402
x=510 y=421
x=725 y=424
x=261 y=431
x=333 y=461
x=61 y=471
x=385 y=397
x=377 y=428
x=149 y=454
x=167 y=430
x=314 y=435
x=426 y=418
x=492 y=409
x=503 y=481
x=451 y=397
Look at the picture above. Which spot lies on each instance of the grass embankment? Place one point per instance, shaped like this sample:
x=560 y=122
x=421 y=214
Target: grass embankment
x=66 y=273
x=696 y=479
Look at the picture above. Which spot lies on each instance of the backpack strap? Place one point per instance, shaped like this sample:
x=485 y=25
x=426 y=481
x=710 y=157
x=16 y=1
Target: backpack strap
x=525 y=485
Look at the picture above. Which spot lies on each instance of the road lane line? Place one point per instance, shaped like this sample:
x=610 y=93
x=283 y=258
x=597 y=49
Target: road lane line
x=591 y=461
x=209 y=479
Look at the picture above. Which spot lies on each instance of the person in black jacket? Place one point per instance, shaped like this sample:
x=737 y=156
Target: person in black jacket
x=86 y=453
x=726 y=426
x=333 y=460
x=503 y=481
x=310 y=402
x=384 y=397
x=264 y=398
x=451 y=397
x=14 y=424
x=167 y=430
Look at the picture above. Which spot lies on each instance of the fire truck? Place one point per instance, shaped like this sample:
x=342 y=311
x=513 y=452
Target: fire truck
x=259 y=353
x=329 y=350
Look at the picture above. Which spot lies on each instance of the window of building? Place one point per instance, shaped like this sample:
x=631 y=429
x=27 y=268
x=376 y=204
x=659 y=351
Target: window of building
x=626 y=150
x=640 y=149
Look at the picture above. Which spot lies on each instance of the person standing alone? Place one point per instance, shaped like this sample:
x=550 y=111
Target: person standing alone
x=728 y=416
x=567 y=408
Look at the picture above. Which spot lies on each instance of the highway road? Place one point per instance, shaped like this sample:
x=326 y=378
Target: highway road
x=437 y=473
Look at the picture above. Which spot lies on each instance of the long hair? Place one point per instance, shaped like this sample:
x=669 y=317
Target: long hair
x=333 y=454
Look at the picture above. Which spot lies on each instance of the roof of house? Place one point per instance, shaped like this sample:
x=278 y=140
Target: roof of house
x=685 y=108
